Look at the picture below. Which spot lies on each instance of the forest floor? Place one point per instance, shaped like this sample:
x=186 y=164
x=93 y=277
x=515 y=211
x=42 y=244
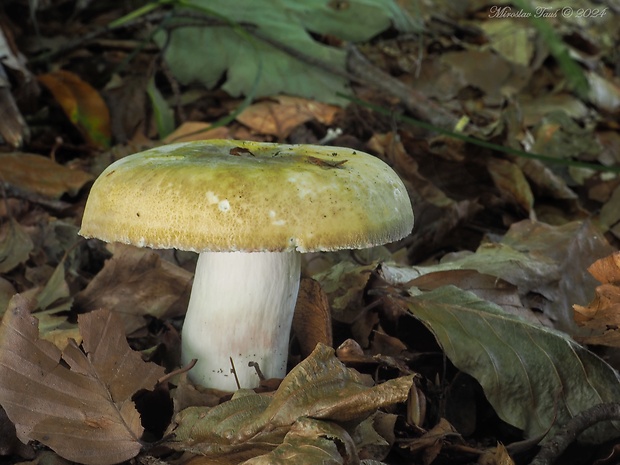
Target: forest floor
x=488 y=335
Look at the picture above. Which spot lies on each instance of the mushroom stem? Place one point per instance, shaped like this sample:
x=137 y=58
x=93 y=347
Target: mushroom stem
x=241 y=307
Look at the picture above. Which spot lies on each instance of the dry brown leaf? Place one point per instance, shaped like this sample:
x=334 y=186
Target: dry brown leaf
x=15 y=245
x=312 y=322
x=41 y=175
x=431 y=442
x=196 y=130
x=602 y=316
x=81 y=406
x=137 y=282
x=280 y=115
x=510 y=181
x=496 y=456
x=320 y=387
x=9 y=444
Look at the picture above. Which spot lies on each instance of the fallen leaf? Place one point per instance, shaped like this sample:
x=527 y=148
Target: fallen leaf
x=312 y=322
x=320 y=387
x=196 y=130
x=510 y=181
x=82 y=104
x=41 y=175
x=431 y=442
x=311 y=442
x=541 y=260
x=135 y=283
x=279 y=115
x=602 y=316
x=15 y=245
x=9 y=444
x=344 y=284
x=534 y=377
x=244 y=65
x=6 y=292
x=81 y=406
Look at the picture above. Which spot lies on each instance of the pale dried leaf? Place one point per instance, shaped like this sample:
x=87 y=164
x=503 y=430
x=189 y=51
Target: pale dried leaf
x=281 y=114
x=601 y=317
x=196 y=130
x=41 y=175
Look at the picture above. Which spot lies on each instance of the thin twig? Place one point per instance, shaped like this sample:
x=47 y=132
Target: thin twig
x=233 y=370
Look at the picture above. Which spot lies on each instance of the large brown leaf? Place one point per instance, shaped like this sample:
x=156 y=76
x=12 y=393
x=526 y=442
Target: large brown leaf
x=134 y=283
x=79 y=406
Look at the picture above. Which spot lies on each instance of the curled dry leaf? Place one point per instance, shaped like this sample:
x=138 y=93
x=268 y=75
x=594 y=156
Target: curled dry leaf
x=310 y=442
x=41 y=175
x=602 y=316
x=312 y=322
x=77 y=404
x=320 y=387
x=280 y=115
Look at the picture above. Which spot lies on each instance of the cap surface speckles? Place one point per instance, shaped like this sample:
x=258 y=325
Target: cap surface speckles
x=223 y=195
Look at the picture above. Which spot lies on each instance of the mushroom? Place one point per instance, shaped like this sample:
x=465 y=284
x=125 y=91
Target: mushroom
x=249 y=209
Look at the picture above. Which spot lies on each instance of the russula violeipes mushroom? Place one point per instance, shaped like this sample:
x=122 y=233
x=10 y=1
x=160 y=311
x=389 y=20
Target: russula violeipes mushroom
x=249 y=209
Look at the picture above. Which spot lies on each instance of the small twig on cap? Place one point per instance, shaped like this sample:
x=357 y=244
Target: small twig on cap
x=256 y=366
x=234 y=372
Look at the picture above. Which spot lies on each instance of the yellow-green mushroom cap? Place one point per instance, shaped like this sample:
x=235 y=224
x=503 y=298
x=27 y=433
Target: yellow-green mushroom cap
x=228 y=195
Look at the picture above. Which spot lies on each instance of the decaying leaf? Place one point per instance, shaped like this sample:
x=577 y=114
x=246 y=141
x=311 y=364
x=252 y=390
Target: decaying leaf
x=310 y=442
x=137 y=282
x=41 y=175
x=344 y=285
x=602 y=316
x=77 y=404
x=541 y=260
x=197 y=130
x=511 y=182
x=281 y=114
x=15 y=245
x=82 y=104
x=431 y=443
x=535 y=378
x=312 y=321
x=320 y=387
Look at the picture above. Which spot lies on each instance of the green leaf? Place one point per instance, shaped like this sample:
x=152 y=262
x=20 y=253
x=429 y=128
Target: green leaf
x=534 y=377
x=164 y=116
x=206 y=54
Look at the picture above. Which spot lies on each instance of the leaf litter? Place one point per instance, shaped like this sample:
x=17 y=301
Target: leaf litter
x=467 y=319
x=77 y=403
